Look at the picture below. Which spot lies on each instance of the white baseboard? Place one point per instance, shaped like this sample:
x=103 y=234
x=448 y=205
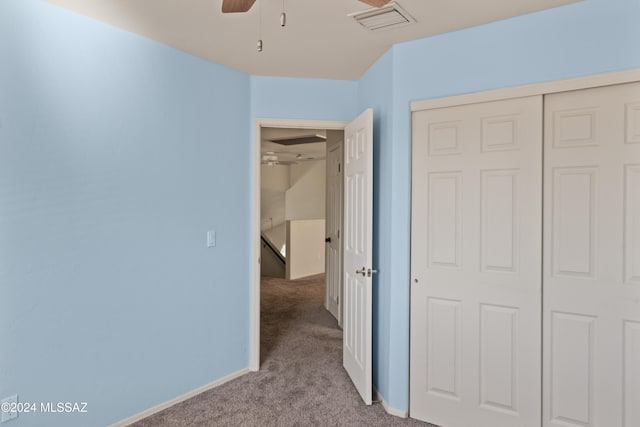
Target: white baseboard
x=390 y=410
x=182 y=398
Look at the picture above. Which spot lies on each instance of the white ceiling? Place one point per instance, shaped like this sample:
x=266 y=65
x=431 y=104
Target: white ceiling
x=320 y=40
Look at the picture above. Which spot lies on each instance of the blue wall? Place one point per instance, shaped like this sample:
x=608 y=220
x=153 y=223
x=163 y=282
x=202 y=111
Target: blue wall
x=593 y=36
x=116 y=157
x=309 y=99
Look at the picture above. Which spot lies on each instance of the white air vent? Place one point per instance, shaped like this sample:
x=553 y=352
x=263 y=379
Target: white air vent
x=383 y=18
x=301 y=139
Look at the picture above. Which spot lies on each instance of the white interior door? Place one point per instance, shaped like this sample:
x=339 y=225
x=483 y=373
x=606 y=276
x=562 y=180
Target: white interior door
x=592 y=258
x=333 y=257
x=358 y=207
x=476 y=238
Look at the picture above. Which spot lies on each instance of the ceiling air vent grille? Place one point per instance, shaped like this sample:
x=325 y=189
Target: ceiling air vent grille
x=383 y=18
x=297 y=140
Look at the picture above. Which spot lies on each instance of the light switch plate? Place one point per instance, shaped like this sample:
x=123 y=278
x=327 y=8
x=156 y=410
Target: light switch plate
x=211 y=238
x=7 y=403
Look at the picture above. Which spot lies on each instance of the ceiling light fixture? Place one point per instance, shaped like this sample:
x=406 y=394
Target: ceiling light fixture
x=283 y=16
x=260 y=29
x=236 y=6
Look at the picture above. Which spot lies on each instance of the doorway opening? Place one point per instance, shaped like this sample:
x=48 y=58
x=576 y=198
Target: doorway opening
x=354 y=236
x=297 y=212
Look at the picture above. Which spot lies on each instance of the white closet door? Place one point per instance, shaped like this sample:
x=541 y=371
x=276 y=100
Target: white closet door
x=476 y=264
x=592 y=258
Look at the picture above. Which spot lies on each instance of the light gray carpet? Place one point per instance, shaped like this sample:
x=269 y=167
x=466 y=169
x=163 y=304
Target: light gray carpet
x=301 y=380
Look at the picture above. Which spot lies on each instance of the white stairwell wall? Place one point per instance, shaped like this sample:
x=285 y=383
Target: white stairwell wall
x=274 y=184
x=305 y=197
x=305 y=246
x=295 y=193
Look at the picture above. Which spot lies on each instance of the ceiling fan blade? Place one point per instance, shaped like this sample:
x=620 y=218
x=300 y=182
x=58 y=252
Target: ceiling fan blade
x=375 y=3
x=235 y=6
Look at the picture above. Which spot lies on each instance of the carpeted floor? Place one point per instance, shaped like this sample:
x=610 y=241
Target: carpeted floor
x=301 y=381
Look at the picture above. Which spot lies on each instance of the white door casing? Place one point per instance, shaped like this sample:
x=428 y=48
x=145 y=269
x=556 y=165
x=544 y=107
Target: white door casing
x=591 y=330
x=357 y=247
x=254 y=273
x=333 y=291
x=475 y=356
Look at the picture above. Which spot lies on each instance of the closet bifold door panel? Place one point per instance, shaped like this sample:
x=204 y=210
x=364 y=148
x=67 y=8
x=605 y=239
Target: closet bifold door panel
x=591 y=358
x=476 y=238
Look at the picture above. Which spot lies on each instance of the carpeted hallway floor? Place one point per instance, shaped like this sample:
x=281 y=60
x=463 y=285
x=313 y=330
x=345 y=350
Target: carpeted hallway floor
x=301 y=381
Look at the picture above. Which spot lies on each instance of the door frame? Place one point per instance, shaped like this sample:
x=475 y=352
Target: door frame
x=542 y=88
x=254 y=352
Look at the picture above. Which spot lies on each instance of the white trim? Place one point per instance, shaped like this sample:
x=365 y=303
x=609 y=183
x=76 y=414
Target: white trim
x=181 y=398
x=390 y=409
x=254 y=362
x=544 y=88
x=301 y=124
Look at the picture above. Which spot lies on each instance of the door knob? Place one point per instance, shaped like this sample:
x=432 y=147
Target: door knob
x=362 y=271
x=328 y=240
x=371 y=271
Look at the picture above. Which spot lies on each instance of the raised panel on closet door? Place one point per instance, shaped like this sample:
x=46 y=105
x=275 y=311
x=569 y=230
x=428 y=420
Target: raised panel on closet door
x=591 y=359
x=632 y=224
x=475 y=260
x=499 y=220
x=631 y=374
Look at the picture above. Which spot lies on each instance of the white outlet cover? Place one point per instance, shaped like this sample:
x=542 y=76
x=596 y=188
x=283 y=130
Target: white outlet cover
x=211 y=238
x=7 y=416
